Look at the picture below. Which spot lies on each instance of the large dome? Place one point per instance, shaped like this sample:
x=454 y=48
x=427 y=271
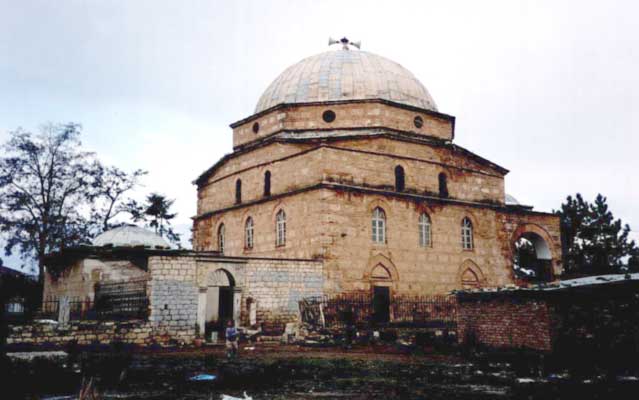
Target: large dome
x=130 y=236
x=346 y=75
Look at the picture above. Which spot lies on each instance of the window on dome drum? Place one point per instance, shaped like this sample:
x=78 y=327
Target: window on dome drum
x=238 y=191
x=280 y=228
x=443 y=185
x=424 y=230
x=328 y=116
x=267 y=183
x=378 y=223
x=256 y=127
x=418 y=121
x=248 y=233
x=467 y=234
x=220 y=238
x=400 y=182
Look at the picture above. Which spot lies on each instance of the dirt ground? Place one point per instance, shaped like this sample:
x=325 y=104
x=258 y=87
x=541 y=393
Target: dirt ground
x=273 y=371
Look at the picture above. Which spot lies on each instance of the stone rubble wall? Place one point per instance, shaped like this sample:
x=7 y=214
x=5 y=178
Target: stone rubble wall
x=84 y=333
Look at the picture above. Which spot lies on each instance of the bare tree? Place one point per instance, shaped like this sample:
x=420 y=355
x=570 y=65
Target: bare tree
x=55 y=195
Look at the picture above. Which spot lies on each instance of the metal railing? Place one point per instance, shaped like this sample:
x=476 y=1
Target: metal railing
x=359 y=308
x=112 y=301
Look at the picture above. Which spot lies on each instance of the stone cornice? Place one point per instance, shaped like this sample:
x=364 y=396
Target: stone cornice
x=283 y=106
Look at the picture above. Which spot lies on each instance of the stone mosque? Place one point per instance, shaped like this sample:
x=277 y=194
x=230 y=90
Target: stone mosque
x=347 y=159
x=346 y=178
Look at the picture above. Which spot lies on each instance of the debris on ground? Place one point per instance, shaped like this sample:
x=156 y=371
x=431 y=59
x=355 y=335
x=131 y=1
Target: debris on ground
x=202 y=378
x=227 y=397
x=32 y=355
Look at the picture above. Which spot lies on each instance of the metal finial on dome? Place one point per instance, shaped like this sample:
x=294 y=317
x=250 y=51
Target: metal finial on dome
x=345 y=43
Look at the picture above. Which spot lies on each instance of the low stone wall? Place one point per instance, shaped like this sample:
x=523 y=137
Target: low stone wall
x=505 y=322
x=87 y=333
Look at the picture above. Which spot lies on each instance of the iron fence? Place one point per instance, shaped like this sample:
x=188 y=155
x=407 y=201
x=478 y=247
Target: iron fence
x=358 y=308
x=112 y=301
x=122 y=300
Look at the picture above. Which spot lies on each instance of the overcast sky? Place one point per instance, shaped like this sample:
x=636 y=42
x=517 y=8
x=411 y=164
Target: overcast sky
x=549 y=90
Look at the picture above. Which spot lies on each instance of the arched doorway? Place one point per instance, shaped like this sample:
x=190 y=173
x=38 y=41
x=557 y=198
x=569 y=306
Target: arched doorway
x=381 y=281
x=220 y=301
x=532 y=258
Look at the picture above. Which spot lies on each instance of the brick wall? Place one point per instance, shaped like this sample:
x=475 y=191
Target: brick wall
x=506 y=322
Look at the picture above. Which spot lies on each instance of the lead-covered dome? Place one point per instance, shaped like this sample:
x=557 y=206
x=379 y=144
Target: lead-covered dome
x=346 y=75
x=130 y=236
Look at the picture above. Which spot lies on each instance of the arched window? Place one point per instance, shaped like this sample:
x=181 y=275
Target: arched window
x=424 y=230
x=379 y=226
x=280 y=228
x=267 y=183
x=467 y=234
x=220 y=238
x=238 y=191
x=443 y=185
x=400 y=182
x=248 y=233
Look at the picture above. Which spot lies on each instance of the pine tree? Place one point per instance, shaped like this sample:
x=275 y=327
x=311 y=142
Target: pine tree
x=155 y=212
x=593 y=241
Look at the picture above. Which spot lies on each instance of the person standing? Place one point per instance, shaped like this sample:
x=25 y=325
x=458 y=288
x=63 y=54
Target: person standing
x=232 y=339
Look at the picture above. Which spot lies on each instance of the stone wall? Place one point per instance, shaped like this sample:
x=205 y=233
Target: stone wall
x=335 y=224
x=506 y=322
x=276 y=286
x=348 y=115
x=367 y=162
x=304 y=236
x=84 y=333
x=273 y=287
x=173 y=296
x=435 y=269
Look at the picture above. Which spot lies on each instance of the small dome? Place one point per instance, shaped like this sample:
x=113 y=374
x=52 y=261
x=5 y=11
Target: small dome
x=511 y=201
x=130 y=236
x=346 y=75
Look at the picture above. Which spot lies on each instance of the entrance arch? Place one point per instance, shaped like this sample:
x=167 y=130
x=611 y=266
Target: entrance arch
x=220 y=301
x=532 y=254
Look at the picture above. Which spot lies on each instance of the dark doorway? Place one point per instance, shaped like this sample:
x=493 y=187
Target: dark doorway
x=225 y=312
x=381 y=304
